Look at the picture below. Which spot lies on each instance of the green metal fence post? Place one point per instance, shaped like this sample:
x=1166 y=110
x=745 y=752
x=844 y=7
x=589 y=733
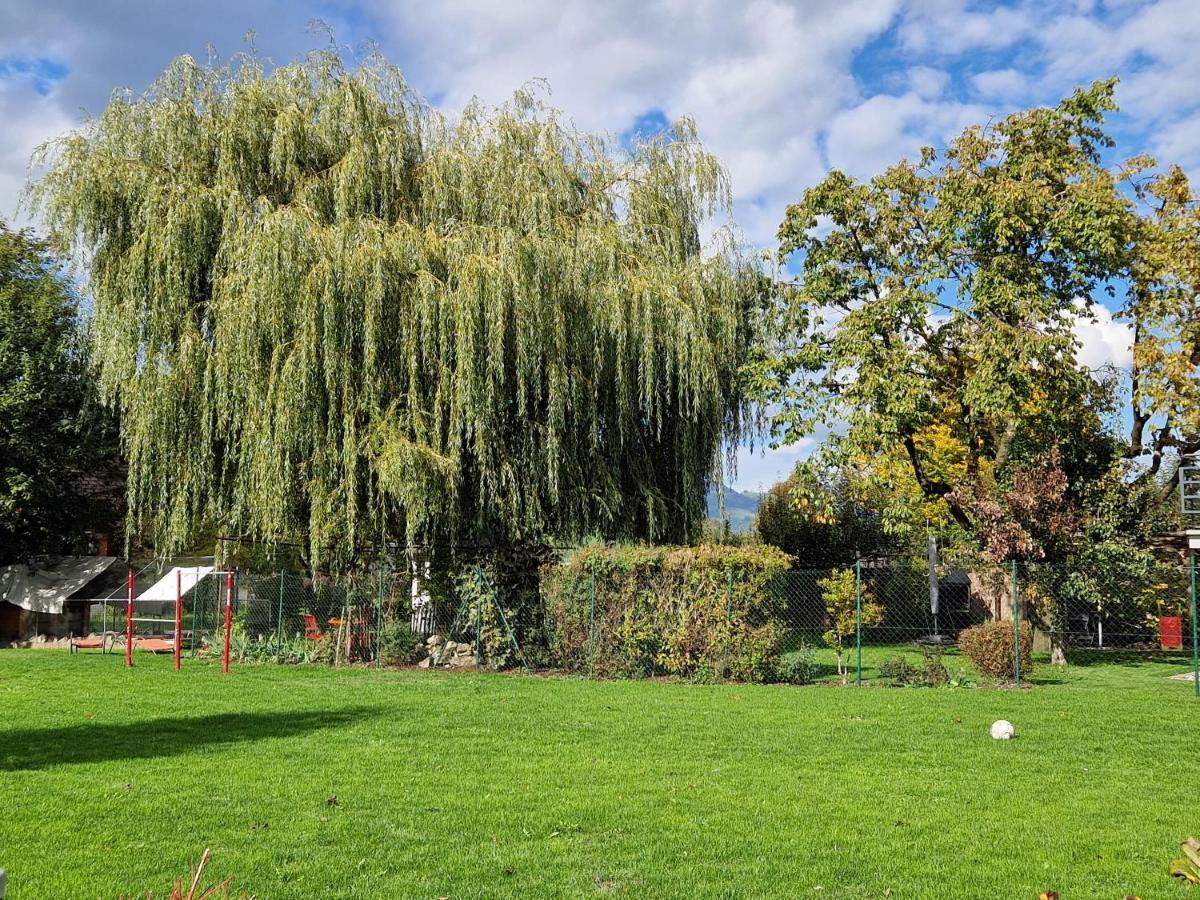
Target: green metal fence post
x=379 y=623
x=729 y=598
x=592 y=614
x=1195 y=629
x=858 y=622
x=478 y=631
x=279 y=617
x=728 y=624
x=1016 y=616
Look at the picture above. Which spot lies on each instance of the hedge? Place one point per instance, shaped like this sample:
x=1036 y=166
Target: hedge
x=691 y=612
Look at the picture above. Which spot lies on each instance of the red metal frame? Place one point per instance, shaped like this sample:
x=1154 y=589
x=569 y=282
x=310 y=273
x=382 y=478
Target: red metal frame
x=178 y=616
x=228 y=620
x=129 y=620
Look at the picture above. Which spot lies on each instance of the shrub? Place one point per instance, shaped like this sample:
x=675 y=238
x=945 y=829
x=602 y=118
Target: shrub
x=798 y=667
x=899 y=669
x=676 y=611
x=935 y=669
x=398 y=645
x=990 y=648
x=904 y=671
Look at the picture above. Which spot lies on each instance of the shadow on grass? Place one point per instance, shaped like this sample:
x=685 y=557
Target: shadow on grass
x=1086 y=657
x=40 y=748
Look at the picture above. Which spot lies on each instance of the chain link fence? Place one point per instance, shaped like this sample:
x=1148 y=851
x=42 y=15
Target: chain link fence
x=899 y=622
x=895 y=622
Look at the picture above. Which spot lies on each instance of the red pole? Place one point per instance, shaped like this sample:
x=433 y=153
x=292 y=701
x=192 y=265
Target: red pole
x=228 y=620
x=129 y=619
x=178 y=615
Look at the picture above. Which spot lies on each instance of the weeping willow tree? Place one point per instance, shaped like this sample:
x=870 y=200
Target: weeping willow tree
x=327 y=312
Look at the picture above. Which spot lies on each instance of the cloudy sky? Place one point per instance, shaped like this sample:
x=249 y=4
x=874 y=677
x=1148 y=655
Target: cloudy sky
x=782 y=90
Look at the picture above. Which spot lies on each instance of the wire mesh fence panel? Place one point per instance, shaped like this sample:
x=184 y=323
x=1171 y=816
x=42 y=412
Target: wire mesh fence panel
x=811 y=648
x=1138 y=612
x=288 y=617
x=888 y=622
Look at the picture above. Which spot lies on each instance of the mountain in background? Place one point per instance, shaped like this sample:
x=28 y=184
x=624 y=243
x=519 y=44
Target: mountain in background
x=740 y=508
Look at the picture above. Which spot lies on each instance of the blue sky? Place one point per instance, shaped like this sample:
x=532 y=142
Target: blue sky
x=780 y=90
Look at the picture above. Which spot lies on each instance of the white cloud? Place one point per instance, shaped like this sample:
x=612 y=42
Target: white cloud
x=928 y=83
x=29 y=119
x=949 y=27
x=867 y=138
x=1103 y=342
x=1001 y=84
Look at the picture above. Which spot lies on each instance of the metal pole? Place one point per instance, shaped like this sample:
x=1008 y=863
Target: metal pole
x=1195 y=629
x=1016 y=613
x=178 y=615
x=478 y=631
x=592 y=614
x=279 y=617
x=858 y=621
x=197 y=616
x=379 y=623
x=728 y=625
x=129 y=619
x=228 y=620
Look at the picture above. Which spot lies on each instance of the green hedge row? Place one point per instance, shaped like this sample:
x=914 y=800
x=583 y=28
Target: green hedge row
x=692 y=612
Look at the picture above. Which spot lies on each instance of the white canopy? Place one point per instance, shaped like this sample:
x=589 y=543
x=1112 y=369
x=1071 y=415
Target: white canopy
x=164 y=589
x=44 y=589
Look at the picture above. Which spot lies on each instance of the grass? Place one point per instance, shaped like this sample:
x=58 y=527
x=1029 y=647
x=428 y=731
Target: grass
x=465 y=785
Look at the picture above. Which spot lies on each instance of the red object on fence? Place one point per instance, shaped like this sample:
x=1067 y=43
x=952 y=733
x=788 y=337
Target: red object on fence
x=129 y=620
x=1170 y=632
x=312 y=631
x=178 y=615
x=228 y=620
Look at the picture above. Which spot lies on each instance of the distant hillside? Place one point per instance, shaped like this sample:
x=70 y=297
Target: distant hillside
x=740 y=508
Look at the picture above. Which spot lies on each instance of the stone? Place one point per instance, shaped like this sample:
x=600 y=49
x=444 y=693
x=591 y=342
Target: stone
x=425 y=663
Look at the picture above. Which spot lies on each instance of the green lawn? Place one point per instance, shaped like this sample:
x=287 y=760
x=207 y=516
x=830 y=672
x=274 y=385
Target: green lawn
x=465 y=785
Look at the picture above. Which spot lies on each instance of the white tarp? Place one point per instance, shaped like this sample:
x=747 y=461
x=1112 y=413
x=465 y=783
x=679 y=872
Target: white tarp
x=164 y=589
x=43 y=589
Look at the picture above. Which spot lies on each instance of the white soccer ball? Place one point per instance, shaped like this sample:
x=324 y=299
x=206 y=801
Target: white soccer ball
x=1003 y=730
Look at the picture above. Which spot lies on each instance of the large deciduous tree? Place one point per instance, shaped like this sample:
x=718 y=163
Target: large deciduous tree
x=52 y=433
x=932 y=328
x=325 y=310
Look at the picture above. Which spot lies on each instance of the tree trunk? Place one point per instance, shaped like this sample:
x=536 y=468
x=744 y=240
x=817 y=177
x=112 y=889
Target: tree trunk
x=1058 y=650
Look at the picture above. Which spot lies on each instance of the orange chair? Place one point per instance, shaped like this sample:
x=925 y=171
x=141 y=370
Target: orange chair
x=154 y=644
x=312 y=631
x=76 y=644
